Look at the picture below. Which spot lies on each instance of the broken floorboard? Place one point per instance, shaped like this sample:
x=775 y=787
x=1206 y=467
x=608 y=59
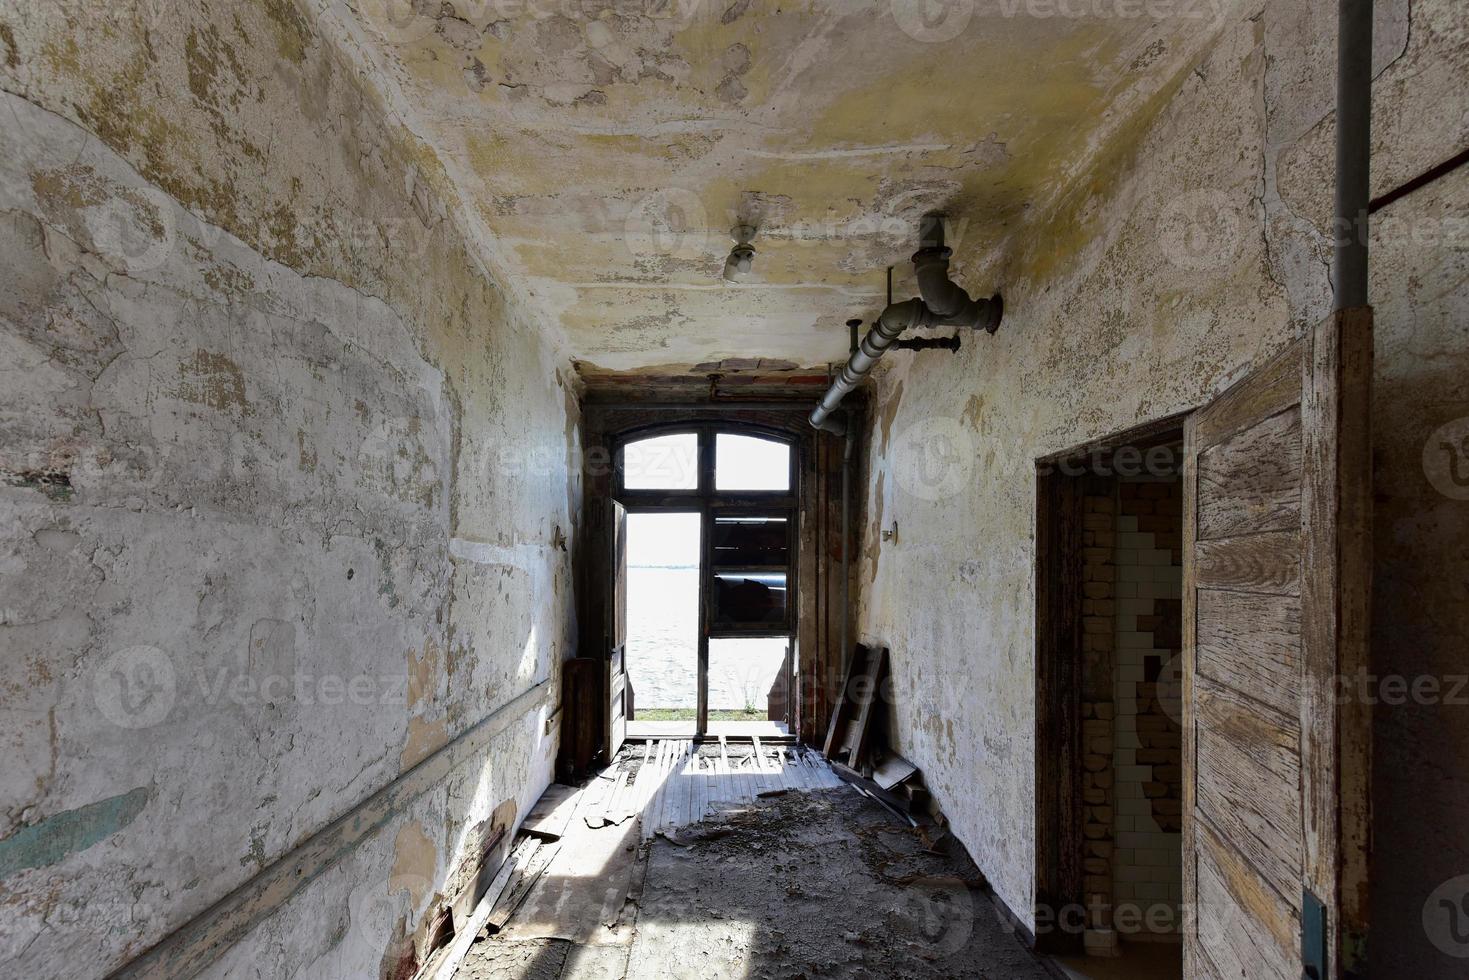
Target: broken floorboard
x=547 y=820
x=682 y=783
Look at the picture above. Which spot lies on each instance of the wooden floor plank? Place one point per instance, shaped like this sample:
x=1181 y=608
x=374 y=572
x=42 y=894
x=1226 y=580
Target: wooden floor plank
x=669 y=786
x=678 y=789
x=647 y=777
x=686 y=810
x=653 y=813
x=795 y=773
x=649 y=787
x=824 y=777
x=742 y=778
x=704 y=777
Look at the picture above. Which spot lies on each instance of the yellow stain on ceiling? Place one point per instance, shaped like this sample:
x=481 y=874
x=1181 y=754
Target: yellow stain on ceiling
x=825 y=124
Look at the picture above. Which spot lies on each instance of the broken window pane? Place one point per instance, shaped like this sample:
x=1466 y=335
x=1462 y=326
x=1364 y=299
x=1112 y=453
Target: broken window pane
x=750 y=542
x=749 y=599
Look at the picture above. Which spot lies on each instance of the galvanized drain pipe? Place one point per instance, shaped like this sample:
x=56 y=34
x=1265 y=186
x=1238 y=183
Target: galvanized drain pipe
x=943 y=303
x=894 y=320
x=1353 y=151
x=850 y=442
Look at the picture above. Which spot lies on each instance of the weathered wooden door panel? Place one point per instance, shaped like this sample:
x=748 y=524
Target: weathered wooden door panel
x=1240 y=930
x=1277 y=486
x=1251 y=642
x=1243 y=519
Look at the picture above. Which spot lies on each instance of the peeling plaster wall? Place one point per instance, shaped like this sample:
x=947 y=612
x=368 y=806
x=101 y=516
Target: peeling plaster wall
x=1168 y=271
x=284 y=495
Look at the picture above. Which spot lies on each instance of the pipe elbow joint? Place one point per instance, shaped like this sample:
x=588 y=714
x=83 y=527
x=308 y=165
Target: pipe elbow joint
x=827 y=421
x=976 y=314
x=944 y=297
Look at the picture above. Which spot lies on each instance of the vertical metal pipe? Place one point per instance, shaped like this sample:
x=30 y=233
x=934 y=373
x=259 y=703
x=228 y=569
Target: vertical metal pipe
x=1353 y=151
x=850 y=441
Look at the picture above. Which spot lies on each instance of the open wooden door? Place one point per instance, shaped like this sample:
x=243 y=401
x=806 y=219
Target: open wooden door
x=1276 y=584
x=617 y=634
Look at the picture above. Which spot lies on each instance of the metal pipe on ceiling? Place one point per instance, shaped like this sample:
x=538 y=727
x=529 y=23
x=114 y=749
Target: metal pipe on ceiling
x=724 y=406
x=941 y=302
x=893 y=321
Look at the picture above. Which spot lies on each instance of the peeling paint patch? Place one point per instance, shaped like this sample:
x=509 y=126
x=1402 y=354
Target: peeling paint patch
x=424 y=738
x=69 y=832
x=293 y=32
x=55 y=484
x=423 y=673
x=414 y=861
x=12 y=53
x=213 y=380
x=256 y=854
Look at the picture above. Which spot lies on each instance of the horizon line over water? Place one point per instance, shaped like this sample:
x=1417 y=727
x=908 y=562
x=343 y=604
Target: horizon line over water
x=663 y=640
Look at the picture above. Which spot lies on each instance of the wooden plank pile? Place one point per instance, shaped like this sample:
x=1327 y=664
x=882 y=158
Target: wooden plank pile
x=534 y=848
x=853 y=740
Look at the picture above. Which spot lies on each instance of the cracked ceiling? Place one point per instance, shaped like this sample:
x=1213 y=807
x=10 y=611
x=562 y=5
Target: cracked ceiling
x=604 y=148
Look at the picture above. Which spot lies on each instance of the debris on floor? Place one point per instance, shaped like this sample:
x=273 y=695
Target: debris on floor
x=817 y=881
x=855 y=749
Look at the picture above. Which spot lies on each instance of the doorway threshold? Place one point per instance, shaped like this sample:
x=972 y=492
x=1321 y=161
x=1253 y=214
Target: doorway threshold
x=771 y=731
x=660 y=729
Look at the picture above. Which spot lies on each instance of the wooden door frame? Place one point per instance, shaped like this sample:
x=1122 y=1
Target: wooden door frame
x=1061 y=482
x=608 y=416
x=706 y=500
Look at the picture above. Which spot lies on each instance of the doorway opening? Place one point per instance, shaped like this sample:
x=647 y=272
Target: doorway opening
x=662 y=660
x=708 y=583
x=1109 y=778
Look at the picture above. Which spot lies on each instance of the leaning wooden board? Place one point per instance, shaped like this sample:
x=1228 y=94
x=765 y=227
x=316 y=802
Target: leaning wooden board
x=849 y=734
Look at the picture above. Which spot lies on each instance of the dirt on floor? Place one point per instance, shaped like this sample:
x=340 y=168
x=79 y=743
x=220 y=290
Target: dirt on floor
x=808 y=884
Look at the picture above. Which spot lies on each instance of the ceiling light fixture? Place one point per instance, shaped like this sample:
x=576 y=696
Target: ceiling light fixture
x=742 y=256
